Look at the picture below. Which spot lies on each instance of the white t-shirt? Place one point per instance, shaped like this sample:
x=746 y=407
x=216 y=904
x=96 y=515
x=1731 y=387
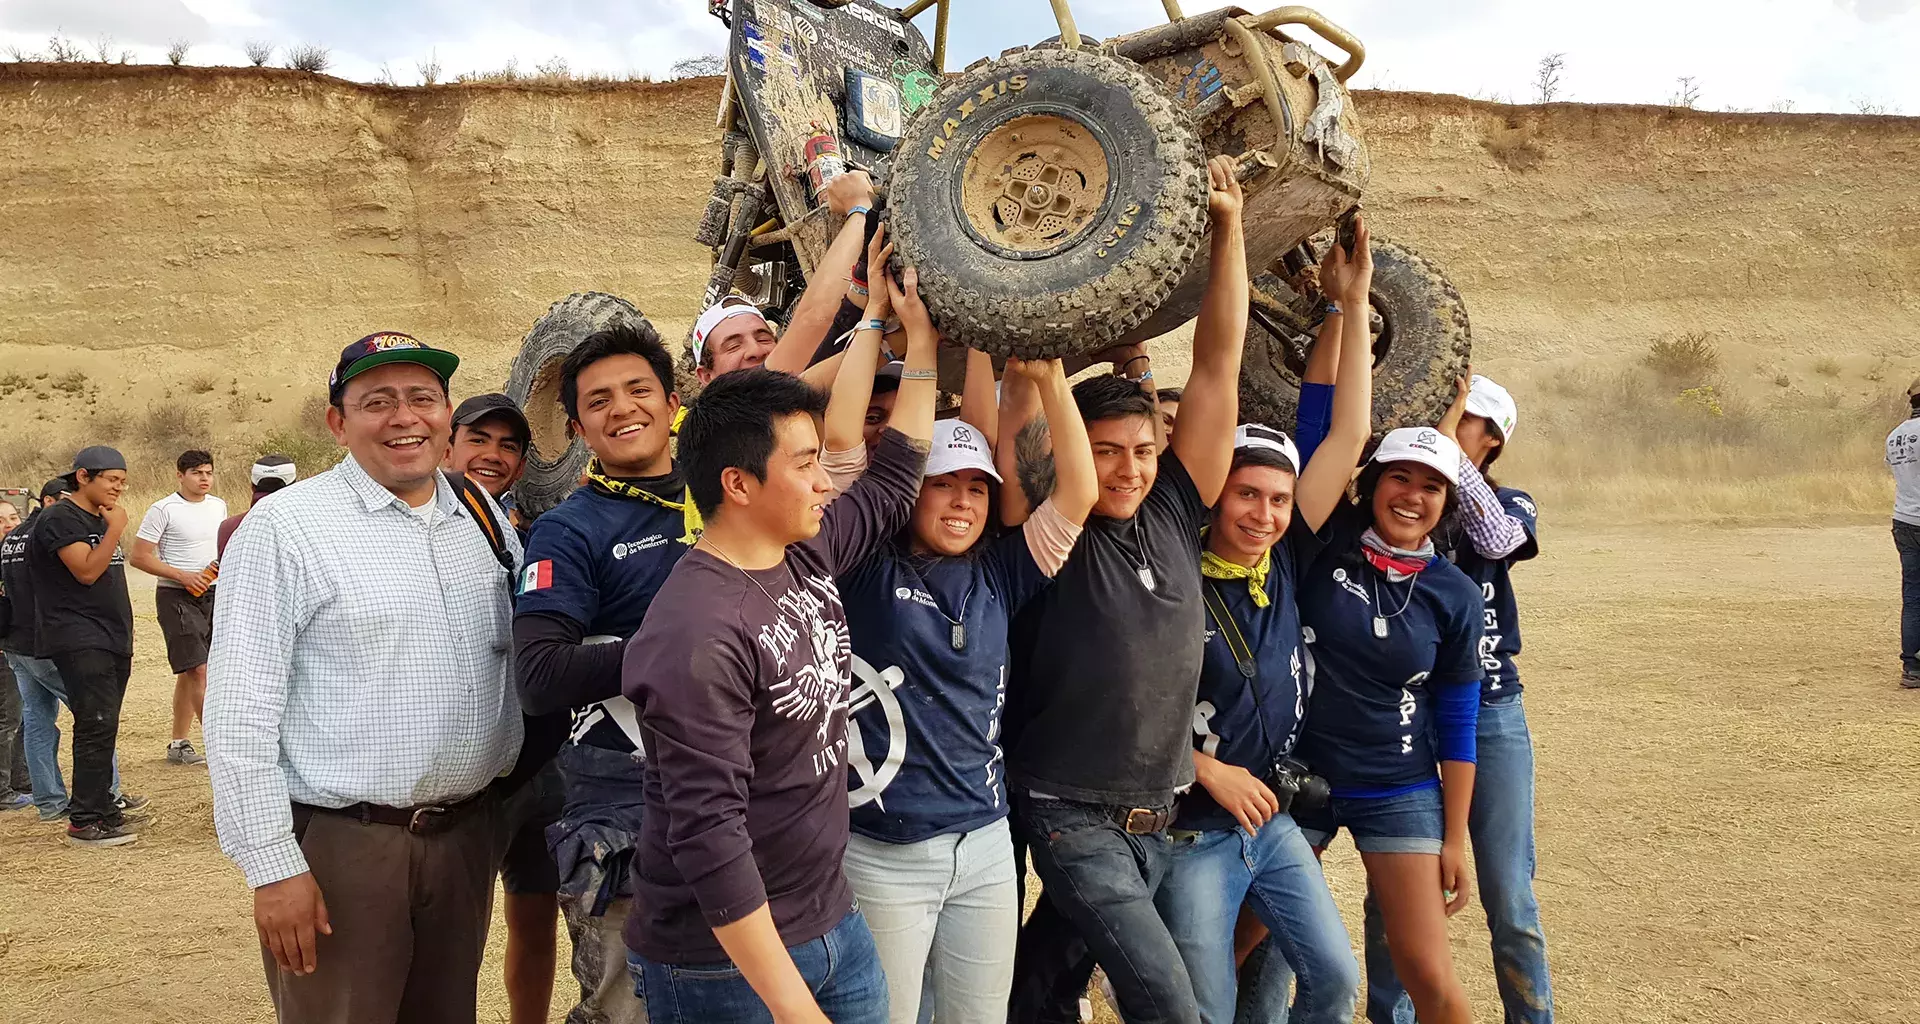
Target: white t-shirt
x=186 y=532
x=1903 y=455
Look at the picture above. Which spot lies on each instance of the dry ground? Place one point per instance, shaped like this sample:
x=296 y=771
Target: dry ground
x=1727 y=819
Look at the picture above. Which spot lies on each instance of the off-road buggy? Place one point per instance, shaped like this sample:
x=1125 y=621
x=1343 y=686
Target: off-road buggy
x=1054 y=199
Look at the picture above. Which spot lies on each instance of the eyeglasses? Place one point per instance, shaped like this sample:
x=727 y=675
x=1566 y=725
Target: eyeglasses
x=421 y=402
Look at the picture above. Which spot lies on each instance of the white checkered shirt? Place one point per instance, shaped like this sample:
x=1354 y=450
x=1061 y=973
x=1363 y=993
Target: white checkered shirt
x=361 y=652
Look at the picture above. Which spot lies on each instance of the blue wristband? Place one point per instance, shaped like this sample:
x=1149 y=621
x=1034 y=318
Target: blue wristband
x=859 y=209
x=871 y=324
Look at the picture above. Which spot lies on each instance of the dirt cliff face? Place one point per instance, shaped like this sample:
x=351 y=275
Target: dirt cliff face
x=246 y=223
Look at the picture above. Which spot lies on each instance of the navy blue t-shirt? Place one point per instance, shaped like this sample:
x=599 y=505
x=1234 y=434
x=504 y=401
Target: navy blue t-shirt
x=1368 y=727
x=1501 y=616
x=924 y=756
x=1228 y=718
x=599 y=559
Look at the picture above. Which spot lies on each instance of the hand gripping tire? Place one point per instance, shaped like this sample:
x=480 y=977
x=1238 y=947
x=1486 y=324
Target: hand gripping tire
x=554 y=464
x=1050 y=200
x=1423 y=345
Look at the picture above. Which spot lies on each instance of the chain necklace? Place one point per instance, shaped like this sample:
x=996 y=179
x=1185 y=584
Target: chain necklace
x=1144 y=569
x=792 y=583
x=956 y=628
x=1379 y=620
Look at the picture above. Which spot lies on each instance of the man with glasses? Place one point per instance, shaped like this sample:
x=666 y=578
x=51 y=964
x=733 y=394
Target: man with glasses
x=360 y=700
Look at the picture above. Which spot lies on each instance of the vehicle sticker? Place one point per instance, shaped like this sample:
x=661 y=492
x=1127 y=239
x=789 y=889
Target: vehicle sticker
x=916 y=85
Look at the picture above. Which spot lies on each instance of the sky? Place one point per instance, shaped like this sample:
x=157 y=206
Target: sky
x=1801 y=55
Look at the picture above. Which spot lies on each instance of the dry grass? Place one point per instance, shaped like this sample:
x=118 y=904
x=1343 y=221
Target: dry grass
x=1689 y=360
x=1827 y=366
x=1514 y=147
x=1628 y=446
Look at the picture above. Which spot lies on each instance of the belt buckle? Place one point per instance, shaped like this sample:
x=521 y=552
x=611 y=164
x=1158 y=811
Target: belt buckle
x=1141 y=821
x=423 y=819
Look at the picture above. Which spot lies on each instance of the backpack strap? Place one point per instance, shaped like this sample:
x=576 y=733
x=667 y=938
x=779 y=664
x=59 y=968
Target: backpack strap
x=479 y=506
x=1223 y=619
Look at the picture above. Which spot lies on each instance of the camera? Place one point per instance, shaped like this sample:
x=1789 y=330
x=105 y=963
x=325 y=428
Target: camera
x=1296 y=787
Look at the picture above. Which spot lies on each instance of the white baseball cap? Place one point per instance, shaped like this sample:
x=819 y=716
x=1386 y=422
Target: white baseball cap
x=959 y=445
x=272 y=467
x=1259 y=435
x=1485 y=398
x=727 y=308
x=1425 y=445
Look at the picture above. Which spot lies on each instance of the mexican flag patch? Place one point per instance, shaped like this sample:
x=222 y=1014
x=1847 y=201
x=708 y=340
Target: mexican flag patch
x=536 y=576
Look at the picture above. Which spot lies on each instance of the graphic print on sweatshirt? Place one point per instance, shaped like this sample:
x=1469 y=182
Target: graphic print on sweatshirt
x=817 y=676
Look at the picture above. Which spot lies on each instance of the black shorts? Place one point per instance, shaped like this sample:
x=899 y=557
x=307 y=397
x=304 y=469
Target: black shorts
x=187 y=623
x=528 y=867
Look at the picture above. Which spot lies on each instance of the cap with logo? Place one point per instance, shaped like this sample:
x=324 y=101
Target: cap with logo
x=98 y=459
x=479 y=407
x=1485 y=398
x=1259 y=436
x=726 y=309
x=1424 y=445
x=959 y=445
x=272 y=467
x=389 y=347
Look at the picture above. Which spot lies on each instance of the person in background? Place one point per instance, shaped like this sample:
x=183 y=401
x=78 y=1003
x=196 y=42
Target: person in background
x=1903 y=457
x=269 y=473
x=594 y=564
x=1107 y=660
x=41 y=691
x=360 y=704
x=16 y=779
x=1169 y=399
x=741 y=674
x=1234 y=842
x=83 y=623
x=490 y=440
x=178 y=544
x=1393 y=635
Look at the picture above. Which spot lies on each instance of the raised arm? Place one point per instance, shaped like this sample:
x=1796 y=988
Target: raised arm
x=1019 y=405
x=850 y=198
x=978 y=403
x=1204 y=442
x=88 y=562
x=1076 y=483
x=1315 y=413
x=1347 y=279
x=853 y=383
x=1493 y=531
x=919 y=379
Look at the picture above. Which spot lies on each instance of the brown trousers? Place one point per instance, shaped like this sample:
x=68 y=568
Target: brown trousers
x=409 y=913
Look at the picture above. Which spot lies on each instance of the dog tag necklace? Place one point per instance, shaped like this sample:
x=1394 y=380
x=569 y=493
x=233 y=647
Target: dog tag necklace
x=1145 y=569
x=1379 y=620
x=956 y=628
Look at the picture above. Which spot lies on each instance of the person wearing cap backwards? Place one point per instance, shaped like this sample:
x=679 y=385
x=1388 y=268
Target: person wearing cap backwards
x=269 y=473
x=360 y=701
x=1495 y=528
x=1393 y=648
x=930 y=858
x=178 y=545
x=594 y=563
x=1234 y=843
x=41 y=690
x=83 y=623
x=741 y=675
x=1106 y=661
x=1903 y=457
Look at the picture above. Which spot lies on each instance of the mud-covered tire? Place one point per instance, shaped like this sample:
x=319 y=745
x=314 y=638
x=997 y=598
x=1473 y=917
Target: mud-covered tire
x=557 y=457
x=1134 y=215
x=830 y=4
x=1426 y=336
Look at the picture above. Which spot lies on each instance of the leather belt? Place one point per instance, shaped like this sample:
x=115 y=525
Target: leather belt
x=424 y=819
x=1140 y=821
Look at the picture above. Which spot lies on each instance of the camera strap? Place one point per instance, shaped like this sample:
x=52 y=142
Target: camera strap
x=1223 y=620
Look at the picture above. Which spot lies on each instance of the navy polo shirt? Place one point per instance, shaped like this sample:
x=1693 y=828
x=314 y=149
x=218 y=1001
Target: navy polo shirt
x=598 y=560
x=1500 y=615
x=923 y=754
x=1251 y=722
x=1368 y=725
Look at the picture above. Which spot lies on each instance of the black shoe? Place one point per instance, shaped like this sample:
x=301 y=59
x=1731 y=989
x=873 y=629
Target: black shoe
x=101 y=834
x=1910 y=680
x=129 y=802
x=135 y=822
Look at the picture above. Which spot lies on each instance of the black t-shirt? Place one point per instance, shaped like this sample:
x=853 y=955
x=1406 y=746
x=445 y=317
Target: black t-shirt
x=1104 y=667
x=70 y=615
x=16 y=592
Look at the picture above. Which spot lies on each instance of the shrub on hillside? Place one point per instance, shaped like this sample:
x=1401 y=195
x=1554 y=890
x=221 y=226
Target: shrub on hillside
x=258 y=52
x=308 y=57
x=1689 y=360
x=177 y=52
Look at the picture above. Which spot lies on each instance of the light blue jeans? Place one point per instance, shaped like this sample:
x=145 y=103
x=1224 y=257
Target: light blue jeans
x=945 y=914
x=1501 y=827
x=1275 y=872
x=41 y=694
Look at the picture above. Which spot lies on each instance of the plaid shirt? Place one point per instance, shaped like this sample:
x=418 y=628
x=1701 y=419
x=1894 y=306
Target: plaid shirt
x=1494 y=533
x=362 y=651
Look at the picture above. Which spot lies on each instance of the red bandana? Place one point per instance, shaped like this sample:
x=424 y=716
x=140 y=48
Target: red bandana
x=1390 y=565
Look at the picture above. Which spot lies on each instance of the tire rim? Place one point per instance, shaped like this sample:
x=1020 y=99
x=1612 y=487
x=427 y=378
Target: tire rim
x=546 y=415
x=1035 y=185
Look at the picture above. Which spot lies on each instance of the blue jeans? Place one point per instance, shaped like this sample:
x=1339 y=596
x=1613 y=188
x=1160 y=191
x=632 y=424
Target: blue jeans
x=1413 y=822
x=1906 y=540
x=41 y=694
x=1101 y=879
x=841 y=967
x=1273 y=871
x=1501 y=827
